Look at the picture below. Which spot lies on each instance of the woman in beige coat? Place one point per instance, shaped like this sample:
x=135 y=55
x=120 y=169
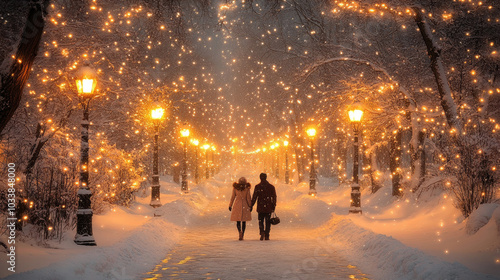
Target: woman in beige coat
x=240 y=205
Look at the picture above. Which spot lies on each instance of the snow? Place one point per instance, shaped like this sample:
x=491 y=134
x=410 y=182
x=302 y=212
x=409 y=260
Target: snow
x=480 y=217
x=191 y=233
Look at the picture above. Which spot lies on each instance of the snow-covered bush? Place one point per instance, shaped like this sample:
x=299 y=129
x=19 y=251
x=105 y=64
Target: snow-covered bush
x=472 y=163
x=480 y=217
x=113 y=176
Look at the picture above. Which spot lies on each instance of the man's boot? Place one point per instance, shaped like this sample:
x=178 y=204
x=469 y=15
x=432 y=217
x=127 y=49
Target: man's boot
x=261 y=236
x=267 y=237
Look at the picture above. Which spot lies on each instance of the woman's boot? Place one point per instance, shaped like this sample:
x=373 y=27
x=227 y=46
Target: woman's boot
x=241 y=235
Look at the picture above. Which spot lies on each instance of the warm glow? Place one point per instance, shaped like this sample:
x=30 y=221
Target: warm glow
x=156 y=114
x=285 y=143
x=185 y=132
x=195 y=142
x=206 y=147
x=311 y=132
x=355 y=115
x=85 y=86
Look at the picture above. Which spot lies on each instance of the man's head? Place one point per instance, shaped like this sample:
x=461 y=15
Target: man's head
x=263 y=176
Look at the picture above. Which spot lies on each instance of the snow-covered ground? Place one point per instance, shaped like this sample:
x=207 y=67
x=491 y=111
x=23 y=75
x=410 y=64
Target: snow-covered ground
x=391 y=240
x=432 y=225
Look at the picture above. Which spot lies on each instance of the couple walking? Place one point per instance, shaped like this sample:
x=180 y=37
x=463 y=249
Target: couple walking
x=241 y=205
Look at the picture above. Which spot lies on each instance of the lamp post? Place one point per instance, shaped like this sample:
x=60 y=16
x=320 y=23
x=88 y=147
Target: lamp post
x=264 y=159
x=271 y=153
x=184 y=183
x=277 y=166
x=156 y=115
x=311 y=132
x=207 y=170
x=235 y=150
x=196 y=143
x=287 y=170
x=85 y=84
x=355 y=118
x=213 y=160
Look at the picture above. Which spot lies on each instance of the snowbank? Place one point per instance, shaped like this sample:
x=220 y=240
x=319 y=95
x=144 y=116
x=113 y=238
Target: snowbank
x=144 y=247
x=480 y=217
x=398 y=238
x=130 y=240
x=387 y=258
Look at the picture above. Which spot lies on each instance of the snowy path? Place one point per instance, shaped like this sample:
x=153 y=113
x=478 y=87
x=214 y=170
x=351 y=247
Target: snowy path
x=210 y=250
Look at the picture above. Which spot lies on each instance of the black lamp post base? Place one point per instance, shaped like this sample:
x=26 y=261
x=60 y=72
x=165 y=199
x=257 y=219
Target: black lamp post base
x=155 y=196
x=355 y=210
x=184 y=186
x=85 y=240
x=312 y=187
x=355 y=199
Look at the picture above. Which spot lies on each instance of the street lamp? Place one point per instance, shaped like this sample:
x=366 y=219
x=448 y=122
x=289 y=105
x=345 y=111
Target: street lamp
x=196 y=174
x=184 y=183
x=277 y=166
x=355 y=117
x=287 y=170
x=272 y=154
x=264 y=161
x=213 y=160
x=206 y=147
x=85 y=84
x=311 y=132
x=156 y=115
x=234 y=148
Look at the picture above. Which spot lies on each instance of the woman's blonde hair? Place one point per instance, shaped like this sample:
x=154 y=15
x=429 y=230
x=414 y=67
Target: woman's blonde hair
x=242 y=180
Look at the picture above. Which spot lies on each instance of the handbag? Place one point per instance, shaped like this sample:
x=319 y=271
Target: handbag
x=274 y=219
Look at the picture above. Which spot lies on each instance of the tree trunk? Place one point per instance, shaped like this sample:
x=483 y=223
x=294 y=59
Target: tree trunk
x=434 y=52
x=418 y=161
x=36 y=149
x=365 y=166
x=41 y=139
x=341 y=160
x=395 y=163
x=299 y=158
x=372 y=162
x=14 y=80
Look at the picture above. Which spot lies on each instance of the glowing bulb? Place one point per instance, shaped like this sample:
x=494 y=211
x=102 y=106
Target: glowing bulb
x=156 y=114
x=355 y=115
x=311 y=132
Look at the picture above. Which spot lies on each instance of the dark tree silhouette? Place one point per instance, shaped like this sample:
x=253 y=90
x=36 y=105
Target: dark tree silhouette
x=13 y=81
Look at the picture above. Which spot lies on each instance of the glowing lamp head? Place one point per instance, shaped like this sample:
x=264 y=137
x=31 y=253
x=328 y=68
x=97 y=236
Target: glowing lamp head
x=185 y=132
x=85 y=86
x=355 y=115
x=86 y=80
x=206 y=147
x=285 y=143
x=156 y=114
x=311 y=132
x=195 y=142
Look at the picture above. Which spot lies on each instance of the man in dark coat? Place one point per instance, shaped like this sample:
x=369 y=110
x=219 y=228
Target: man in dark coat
x=265 y=196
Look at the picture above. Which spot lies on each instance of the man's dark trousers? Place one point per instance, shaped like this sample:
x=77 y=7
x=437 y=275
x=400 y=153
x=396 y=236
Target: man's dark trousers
x=265 y=217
